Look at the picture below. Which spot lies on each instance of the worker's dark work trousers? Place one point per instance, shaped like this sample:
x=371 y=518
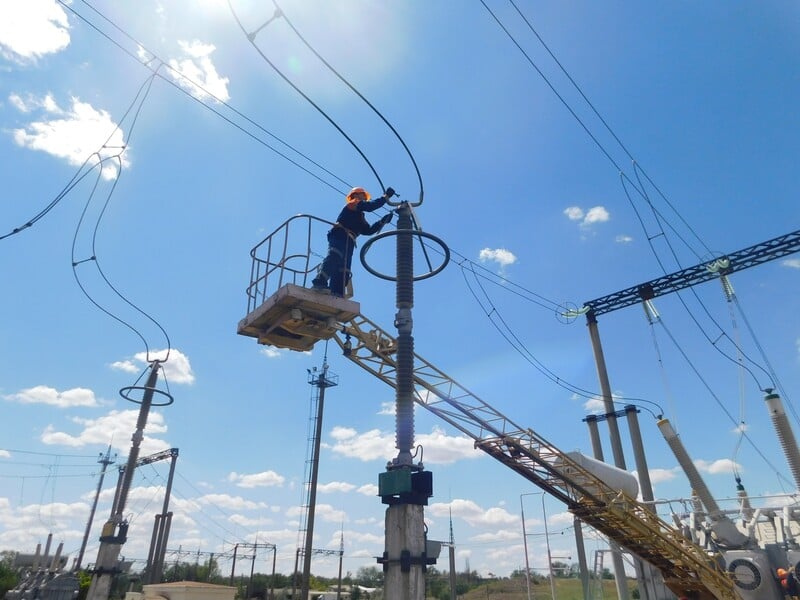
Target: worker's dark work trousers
x=337 y=263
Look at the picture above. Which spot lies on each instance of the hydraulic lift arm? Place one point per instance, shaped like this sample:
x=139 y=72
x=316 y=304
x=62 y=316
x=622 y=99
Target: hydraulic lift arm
x=686 y=567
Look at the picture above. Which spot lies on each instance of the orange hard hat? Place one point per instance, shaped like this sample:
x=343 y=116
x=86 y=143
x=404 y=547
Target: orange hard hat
x=357 y=190
x=781 y=572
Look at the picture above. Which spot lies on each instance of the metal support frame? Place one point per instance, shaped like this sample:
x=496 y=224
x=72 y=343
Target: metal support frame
x=736 y=261
x=685 y=566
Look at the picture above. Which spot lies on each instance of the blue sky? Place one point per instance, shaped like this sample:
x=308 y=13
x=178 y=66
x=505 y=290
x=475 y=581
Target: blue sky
x=522 y=180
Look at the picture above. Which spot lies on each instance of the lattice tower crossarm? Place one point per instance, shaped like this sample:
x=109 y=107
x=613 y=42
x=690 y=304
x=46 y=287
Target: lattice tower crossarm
x=685 y=566
x=735 y=261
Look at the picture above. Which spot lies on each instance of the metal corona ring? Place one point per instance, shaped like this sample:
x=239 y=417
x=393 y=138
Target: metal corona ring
x=124 y=392
x=422 y=234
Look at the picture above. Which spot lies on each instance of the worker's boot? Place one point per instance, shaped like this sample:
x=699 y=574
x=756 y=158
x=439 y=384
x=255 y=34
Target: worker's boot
x=320 y=284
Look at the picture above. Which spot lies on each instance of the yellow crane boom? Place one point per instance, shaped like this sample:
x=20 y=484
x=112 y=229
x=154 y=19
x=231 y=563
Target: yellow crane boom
x=686 y=568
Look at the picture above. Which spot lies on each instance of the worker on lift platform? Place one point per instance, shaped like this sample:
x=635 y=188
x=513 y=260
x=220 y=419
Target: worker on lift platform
x=789 y=583
x=342 y=239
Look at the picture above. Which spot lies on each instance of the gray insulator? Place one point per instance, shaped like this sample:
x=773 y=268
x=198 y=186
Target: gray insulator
x=405 y=261
x=785 y=434
x=405 y=392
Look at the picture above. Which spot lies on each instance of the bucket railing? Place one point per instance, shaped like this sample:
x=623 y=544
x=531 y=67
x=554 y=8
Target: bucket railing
x=290 y=254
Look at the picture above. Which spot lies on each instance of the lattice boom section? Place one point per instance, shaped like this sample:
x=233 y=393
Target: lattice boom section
x=621 y=518
x=685 y=566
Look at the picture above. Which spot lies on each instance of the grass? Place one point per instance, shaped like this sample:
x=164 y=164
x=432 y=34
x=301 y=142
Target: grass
x=566 y=589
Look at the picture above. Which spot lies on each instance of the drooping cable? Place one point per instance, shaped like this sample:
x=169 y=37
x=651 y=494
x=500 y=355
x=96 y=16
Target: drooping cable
x=573 y=113
x=729 y=296
x=775 y=380
x=661 y=220
x=491 y=312
x=92 y=456
x=198 y=506
x=178 y=75
x=498 y=279
x=137 y=103
x=360 y=95
x=693 y=317
x=652 y=316
x=720 y=404
x=79 y=175
x=282 y=75
x=639 y=186
x=606 y=124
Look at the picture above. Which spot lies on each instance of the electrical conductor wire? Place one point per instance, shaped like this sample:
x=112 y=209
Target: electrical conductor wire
x=178 y=74
x=359 y=94
x=304 y=95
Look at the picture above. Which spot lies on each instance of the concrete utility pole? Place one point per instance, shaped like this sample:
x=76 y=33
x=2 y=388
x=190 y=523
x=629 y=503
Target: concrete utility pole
x=161 y=527
x=451 y=554
x=321 y=381
x=104 y=460
x=115 y=531
x=405 y=486
x=616 y=444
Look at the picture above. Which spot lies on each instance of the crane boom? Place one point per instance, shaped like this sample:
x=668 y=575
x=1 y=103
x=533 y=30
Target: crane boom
x=685 y=566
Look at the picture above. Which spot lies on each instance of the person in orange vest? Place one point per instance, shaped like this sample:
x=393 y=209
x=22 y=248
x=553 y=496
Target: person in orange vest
x=342 y=239
x=789 y=582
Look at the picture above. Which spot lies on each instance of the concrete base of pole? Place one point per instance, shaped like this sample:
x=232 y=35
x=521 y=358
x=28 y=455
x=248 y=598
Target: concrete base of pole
x=405 y=545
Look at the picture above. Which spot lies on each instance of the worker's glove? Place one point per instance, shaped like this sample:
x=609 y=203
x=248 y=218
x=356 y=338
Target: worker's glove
x=388 y=193
x=386 y=219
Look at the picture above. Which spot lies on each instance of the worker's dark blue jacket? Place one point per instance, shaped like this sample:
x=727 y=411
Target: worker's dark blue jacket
x=351 y=223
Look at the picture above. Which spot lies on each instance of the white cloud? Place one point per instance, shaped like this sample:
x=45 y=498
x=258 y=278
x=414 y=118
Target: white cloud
x=196 y=73
x=253 y=480
x=332 y=515
x=229 y=502
x=115 y=427
x=501 y=535
x=501 y=256
x=561 y=519
x=370 y=445
x=7 y=454
x=368 y=489
x=59 y=515
x=473 y=513
x=335 y=486
x=32 y=29
x=661 y=475
x=442 y=449
x=79 y=134
x=324 y=512
x=271 y=352
x=720 y=466
x=793 y=263
x=595 y=406
x=42 y=394
x=596 y=214
x=250 y=523
x=623 y=239
x=177 y=368
x=438 y=447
